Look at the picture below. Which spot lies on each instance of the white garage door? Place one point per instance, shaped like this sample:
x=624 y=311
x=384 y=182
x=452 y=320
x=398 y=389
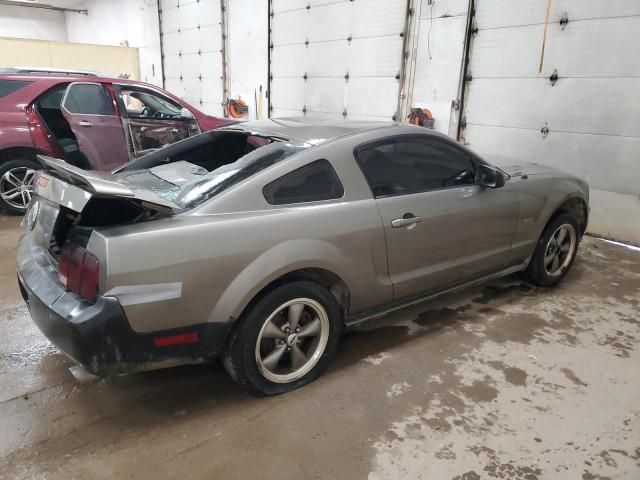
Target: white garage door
x=336 y=59
x=191 y=48
x=588 y=122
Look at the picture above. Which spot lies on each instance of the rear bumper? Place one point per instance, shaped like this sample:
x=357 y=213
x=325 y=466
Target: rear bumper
x=97 y=335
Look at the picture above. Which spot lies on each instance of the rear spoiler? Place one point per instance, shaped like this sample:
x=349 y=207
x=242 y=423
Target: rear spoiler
x=104 y=184
x=94 y=181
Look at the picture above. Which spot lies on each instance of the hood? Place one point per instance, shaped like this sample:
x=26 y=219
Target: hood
x=515 y=167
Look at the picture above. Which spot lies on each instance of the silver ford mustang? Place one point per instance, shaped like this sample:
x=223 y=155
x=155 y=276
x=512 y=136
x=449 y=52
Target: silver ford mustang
x=259 y=243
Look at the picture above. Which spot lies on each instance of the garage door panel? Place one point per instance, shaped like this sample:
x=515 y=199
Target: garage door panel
x=325 y=95
x=606 y=40
x=377 y=18
x=372 y=96
x=327 y=59
x=606 y=162
x=329 y=22
x=214 y=109
x=170 y=43
x=447 y=9
x=439 y=75
x=284 y=112
x=383 y=63
x=588 y=105
x=509 y=53
x=188 y=41
x=211 y=65
x=201 y=13
x=170 y=19
x=287 y=93
x=373 y=55
x=506 y=52
x=191 y=43
x=289 y=60
x=290 y=27
x=509 y=13
x=172 y=67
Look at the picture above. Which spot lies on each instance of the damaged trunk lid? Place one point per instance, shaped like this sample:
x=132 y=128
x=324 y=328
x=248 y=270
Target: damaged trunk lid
x=72 y=202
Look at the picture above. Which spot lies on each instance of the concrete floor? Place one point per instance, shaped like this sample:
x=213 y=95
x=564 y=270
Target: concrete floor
x=505 y=381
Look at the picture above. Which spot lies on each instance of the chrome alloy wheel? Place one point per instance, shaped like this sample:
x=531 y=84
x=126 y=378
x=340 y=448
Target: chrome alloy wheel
x=292 y=340
x=560 y=249
x=16 y=187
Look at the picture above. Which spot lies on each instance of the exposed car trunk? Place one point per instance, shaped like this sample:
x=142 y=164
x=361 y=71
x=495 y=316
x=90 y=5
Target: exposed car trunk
x=72 y=202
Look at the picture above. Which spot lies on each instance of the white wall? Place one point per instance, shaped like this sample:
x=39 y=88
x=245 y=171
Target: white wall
x=132 y=23
x=248 y=51
x=32 y=23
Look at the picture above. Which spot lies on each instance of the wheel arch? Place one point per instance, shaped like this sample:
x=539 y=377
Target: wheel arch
x=576 y=206
x=312 y=260
x=17 y=153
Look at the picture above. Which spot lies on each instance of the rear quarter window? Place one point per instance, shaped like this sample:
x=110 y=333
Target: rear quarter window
x=7 y=87
x=311 y=183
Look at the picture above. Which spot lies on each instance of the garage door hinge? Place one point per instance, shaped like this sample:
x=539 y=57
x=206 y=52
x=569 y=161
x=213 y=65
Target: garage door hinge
x=306 y=42
x=544 y=131
x=344 y=113
x=463 y=122
x=308 y=6
x=554 y=77
x=346 y=77
x=468 y=77
x=564 y=20
x=305 y=76
x=304 y=110
x=474 y=28
x=349 y=38
x=271 y=14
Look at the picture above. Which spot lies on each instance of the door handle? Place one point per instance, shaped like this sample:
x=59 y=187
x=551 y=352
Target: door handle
x=407 y=219
x=84 y=123
x=175 y=131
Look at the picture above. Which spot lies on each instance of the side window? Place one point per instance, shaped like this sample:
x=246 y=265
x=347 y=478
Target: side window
x=311 y=183
x=412 y=165
x=88 y=99
x=143 y=103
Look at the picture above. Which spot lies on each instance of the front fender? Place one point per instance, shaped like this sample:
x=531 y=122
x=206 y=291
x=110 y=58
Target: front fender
x=272 y=264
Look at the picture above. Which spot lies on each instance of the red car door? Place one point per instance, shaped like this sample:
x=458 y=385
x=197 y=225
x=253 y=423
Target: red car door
x=90 y=110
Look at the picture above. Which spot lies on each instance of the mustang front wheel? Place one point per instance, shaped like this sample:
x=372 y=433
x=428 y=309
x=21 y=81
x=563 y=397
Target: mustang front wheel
x=285 y=340
x=555 y=252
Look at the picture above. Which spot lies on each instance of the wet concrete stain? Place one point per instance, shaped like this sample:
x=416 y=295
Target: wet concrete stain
x=489 y=396
x=573 y=377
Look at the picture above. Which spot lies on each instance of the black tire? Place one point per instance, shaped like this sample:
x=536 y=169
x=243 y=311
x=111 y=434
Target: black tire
x=240 y=358
x=536 y=272
x=10 y=206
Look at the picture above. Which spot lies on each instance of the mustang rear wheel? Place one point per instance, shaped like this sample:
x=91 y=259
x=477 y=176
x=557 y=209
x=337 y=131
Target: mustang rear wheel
x=555 y=252
x=16 y=185
x=285 y=340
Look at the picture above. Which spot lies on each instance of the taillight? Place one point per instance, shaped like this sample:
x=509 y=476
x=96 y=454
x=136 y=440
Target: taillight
x=78 y=270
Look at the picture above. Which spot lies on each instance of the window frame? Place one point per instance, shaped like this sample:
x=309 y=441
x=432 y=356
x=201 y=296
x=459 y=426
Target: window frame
x=118 y=87
x=101 y=85
x=281 y=178
x=475 y=160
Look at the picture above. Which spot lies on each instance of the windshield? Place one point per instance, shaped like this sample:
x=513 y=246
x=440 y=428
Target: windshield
x=207 y=186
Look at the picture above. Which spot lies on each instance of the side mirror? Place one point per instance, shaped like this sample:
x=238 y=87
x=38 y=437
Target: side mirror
x=186 y=114
x=490 y=177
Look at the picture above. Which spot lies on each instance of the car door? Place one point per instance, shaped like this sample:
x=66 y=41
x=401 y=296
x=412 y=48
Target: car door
x=441 y=227
x=153 y=120
x=89 y=108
